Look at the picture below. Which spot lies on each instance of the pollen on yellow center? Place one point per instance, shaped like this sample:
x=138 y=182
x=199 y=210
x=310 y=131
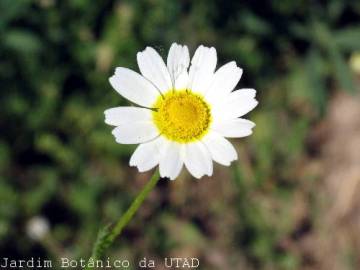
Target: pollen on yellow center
x=182 y=116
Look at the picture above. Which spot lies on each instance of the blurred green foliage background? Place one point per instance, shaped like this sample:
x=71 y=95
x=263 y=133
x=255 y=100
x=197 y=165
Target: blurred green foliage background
x=58 y=159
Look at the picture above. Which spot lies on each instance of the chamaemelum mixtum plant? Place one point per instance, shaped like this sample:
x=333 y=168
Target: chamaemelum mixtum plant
x=183 y=117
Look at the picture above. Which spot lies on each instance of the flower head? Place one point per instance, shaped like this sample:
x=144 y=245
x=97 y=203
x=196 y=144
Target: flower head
x=184 y=114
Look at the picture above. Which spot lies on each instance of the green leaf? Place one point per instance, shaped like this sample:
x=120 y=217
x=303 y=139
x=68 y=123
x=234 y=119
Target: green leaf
x=102 y=242
x=22 y=41
x=314 y=66
x=342 y=70
x=255 y=24
x=335 y=9
x=348 y=38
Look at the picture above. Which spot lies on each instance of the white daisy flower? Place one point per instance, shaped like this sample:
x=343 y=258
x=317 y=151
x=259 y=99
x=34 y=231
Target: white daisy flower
x=183 y=115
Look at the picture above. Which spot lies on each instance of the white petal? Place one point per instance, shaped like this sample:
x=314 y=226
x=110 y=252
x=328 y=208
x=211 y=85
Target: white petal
x=177 y=63
x=121 y=115
x=147 y=155
x=134 y=87
x=197 y=159
x=202 y=69
x=153 y=68
x=234 y=128
x=137 y=132
x=224 y=81
x=182 y=81
x=171 y=161
x=246 y=92
x=221 y=150
x=236 y=104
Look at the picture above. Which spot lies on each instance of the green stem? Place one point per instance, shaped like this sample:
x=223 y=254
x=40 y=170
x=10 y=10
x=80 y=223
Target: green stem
x=109 y=234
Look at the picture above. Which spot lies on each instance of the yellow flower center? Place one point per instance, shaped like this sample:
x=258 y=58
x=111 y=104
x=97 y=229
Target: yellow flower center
x=182 y=116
